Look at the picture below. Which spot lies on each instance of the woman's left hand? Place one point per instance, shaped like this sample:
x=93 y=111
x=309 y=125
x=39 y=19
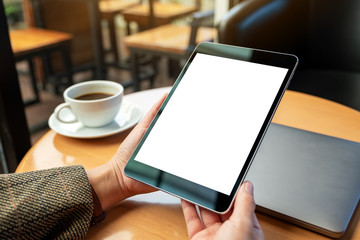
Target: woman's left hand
x=109 y=180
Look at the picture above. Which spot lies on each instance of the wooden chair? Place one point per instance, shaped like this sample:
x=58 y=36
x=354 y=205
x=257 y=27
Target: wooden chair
x=109 y=9
x=172 y=41
x=14 y=133
x=82 y=20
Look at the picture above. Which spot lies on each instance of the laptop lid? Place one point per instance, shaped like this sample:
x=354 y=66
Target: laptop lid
x=307 y=178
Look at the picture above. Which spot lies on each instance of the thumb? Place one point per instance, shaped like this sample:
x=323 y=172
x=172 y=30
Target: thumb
x=244 y=205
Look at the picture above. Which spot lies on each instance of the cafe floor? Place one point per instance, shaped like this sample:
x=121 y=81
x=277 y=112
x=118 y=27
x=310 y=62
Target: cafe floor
x=38 y=114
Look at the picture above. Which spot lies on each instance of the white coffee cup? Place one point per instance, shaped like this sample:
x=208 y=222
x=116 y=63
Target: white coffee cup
x=93 y=103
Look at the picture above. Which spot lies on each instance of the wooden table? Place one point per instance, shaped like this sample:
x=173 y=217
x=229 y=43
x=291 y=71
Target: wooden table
x=112 y=7
x=30 y=42
x=158 y=215
x=163 y=13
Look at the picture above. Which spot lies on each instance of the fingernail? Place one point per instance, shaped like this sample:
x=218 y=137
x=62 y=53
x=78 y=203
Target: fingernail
x=248 y=187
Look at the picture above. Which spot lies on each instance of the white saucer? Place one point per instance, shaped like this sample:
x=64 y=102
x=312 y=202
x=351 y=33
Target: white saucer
x=129 y=115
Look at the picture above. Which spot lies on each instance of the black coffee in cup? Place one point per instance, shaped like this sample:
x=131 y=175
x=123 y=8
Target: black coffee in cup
x=93 y=96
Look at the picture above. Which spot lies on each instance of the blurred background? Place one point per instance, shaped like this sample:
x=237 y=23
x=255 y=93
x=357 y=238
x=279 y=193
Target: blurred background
x=143 y=44
x=76 y=18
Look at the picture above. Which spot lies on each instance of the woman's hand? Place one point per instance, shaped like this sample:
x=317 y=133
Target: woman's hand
x=108 y=180
x=240 y=223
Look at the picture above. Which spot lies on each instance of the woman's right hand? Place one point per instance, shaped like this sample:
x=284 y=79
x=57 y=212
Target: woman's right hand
x=240 y=223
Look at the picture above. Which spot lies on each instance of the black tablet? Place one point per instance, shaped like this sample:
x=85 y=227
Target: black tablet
x=201 y=142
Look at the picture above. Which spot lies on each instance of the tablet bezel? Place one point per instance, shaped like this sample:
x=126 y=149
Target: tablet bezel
x=186 y=189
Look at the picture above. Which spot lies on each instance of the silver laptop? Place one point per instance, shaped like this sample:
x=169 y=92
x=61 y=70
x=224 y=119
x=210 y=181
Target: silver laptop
x=306 y=178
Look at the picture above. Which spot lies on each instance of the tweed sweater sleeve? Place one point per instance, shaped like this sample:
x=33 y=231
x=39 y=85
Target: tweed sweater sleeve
x=48 y=204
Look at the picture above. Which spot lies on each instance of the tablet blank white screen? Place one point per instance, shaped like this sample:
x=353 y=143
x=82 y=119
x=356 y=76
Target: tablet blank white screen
x=210 y=124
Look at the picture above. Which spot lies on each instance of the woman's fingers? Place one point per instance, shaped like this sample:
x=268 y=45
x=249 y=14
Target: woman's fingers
x=192 y=219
